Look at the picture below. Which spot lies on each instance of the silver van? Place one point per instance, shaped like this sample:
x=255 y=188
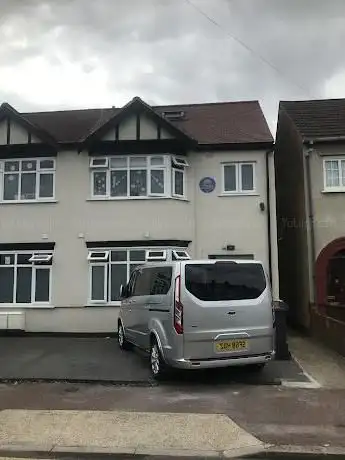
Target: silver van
x=194 y=314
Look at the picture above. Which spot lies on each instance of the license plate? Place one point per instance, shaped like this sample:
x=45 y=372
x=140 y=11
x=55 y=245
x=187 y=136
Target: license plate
x=226 y=346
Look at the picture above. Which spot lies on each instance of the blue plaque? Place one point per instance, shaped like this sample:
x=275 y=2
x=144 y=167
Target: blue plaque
x=207 y=184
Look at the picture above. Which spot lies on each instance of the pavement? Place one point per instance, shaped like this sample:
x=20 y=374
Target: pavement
x=124 y=432
x=88 y=359
x=321 y=364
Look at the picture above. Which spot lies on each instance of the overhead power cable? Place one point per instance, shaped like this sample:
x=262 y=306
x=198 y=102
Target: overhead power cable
x=248 y=48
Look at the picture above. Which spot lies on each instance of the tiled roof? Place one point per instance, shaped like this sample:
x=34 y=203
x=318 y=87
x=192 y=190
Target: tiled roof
x=213 y=123
x=317 y=118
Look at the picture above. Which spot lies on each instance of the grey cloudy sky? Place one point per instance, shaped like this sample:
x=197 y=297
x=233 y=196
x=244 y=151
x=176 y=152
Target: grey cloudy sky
x=57 y=54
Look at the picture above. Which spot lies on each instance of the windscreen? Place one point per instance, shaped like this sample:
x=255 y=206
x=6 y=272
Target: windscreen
x=225 y=281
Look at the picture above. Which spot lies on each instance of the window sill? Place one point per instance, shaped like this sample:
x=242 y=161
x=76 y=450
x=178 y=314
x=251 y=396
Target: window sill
x=227 y=194
x=8 y=202
x=342 y=190
x=139 y=198
x=16 y=306
x=105 y=304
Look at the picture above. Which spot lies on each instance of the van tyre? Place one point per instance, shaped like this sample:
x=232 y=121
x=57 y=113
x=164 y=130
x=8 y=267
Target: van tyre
x=121 y=339
x=159 y=369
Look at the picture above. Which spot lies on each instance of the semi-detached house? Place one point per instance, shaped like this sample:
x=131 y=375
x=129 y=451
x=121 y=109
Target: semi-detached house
x=84 y=194
x=310 y=171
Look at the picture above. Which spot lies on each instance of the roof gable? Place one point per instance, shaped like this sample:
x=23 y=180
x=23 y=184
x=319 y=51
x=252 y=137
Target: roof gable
x=16 y=129
x=137 y=121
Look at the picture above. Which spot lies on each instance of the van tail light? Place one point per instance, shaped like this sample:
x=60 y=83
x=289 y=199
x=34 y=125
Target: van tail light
x=178 y=307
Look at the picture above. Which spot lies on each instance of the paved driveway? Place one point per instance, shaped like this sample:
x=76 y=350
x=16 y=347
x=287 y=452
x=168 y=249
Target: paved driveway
x=100 y=360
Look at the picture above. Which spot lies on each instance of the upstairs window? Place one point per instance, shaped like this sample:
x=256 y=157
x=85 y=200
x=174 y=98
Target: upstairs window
x=334 y=175
x=238 y=178
x=27 y=180
x=137 y=177
x=178 y=176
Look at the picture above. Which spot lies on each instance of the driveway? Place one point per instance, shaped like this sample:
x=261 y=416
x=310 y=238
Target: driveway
x=95 y=359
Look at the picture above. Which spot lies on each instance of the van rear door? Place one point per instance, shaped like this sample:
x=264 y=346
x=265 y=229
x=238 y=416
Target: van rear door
x=227 y=309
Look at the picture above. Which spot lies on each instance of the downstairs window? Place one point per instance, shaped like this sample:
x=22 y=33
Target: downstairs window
x=111 y=267
x=25 y=277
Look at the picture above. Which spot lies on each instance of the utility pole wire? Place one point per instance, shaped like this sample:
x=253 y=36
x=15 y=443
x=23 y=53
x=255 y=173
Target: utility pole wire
x=248 y=48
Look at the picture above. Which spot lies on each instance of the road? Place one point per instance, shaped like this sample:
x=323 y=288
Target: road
x=273 y=413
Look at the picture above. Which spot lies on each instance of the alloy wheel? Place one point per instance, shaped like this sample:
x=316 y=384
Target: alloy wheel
x=155 y=360
x=120 y=336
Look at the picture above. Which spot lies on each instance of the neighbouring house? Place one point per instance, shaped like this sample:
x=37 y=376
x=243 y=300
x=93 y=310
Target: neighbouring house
x=84 y=194
x=310 y=178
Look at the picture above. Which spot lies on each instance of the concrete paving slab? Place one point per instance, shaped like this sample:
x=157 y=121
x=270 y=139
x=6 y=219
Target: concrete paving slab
x=97 y=359
x=323 y=365
x=127 y=430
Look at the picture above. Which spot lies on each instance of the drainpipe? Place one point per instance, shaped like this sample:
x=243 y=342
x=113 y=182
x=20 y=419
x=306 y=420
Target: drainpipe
x=311 y=218
x=268 y=214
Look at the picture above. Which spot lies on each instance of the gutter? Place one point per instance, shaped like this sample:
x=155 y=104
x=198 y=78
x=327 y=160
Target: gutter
x=311 y=217
x=310 y=141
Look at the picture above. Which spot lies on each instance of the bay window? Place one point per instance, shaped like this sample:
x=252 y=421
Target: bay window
x=25 y=277
x=138 y=176
x=111 y=267
x=27 y=180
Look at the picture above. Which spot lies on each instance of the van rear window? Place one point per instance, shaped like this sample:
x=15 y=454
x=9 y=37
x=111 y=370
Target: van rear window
x=225 y=281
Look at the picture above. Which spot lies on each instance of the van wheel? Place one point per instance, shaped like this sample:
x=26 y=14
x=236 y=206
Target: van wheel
x=121 y=339
x=158 y=366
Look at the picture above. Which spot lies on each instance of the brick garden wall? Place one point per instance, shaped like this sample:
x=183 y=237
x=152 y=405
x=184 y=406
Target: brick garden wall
x=328 y=329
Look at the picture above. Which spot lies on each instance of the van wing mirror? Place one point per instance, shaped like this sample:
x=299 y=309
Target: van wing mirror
x=123 y=291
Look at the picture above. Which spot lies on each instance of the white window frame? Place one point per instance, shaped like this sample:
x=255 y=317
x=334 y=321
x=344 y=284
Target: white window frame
x=97 y=166
x=336 y=188
x=180 y=161
x=41 y=258
x=162 y=257
x=167 y=166
x=238 y=171
x=173 y=192
x=186 y=256
x=91 y=256
x=105 y=266
x=34 y=268
x=40 y=171
x=34 y=278
x=163 y=168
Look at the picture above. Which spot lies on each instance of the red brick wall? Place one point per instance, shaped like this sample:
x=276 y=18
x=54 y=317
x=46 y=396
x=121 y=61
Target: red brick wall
x=328 y=330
